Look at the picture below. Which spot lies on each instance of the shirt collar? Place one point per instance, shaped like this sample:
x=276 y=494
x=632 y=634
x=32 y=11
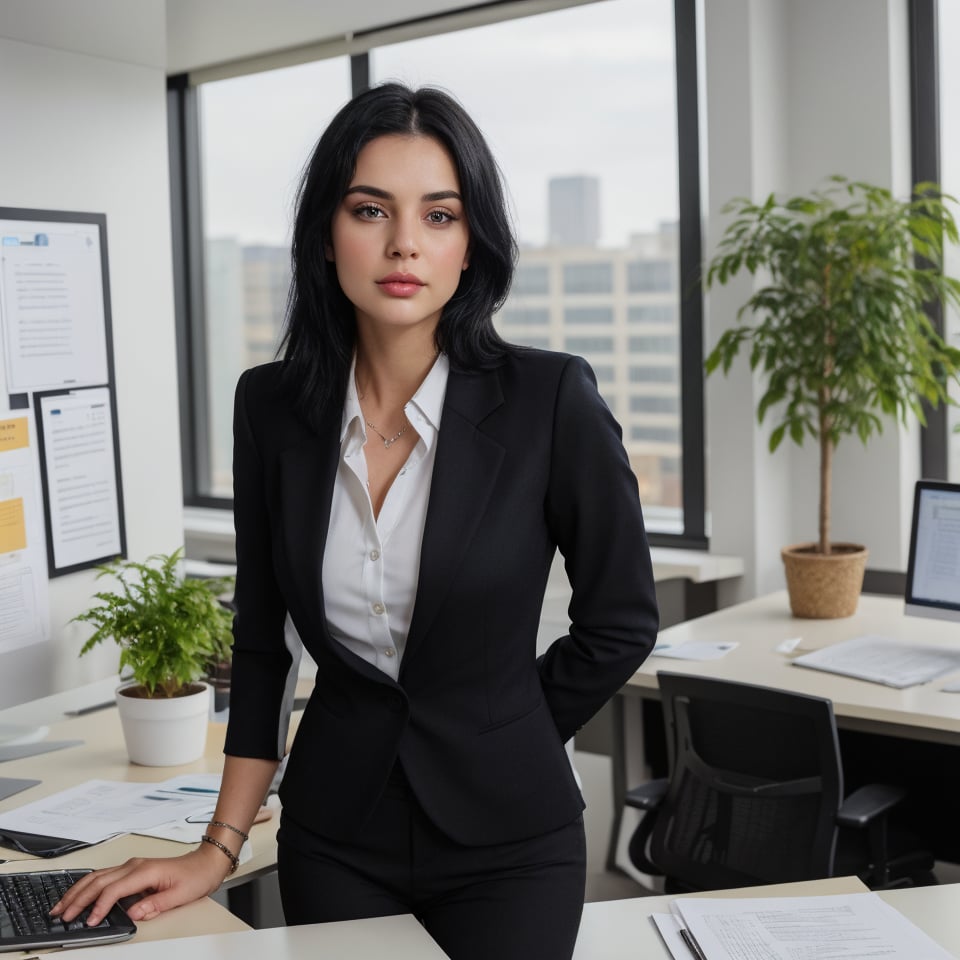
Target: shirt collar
x=427 y=401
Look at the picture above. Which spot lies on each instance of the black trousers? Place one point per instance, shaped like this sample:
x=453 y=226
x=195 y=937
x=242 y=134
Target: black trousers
x=511 y=901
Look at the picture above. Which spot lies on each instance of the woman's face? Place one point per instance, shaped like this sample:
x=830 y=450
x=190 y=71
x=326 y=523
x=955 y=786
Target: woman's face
x=399 y=238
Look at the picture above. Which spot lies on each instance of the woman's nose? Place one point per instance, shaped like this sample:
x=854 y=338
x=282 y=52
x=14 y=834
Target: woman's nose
x=403 y=243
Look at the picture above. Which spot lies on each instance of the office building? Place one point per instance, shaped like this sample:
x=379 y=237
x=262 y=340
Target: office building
x=574 y=211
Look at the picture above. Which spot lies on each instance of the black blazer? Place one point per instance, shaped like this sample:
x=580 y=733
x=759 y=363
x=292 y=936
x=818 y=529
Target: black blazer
x=528 y=459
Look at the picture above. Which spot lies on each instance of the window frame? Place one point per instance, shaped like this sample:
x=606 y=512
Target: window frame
x=187 y=230
x=924 y=44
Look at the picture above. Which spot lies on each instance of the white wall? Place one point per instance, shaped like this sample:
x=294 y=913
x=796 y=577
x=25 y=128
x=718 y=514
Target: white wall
x=797 y=90
x=87 y=131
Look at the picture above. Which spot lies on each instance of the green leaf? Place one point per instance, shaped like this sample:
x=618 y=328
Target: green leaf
x=839 y=328
x=168 y=628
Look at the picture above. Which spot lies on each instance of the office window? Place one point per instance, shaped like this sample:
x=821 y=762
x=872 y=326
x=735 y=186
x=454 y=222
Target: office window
x=588 y=345
x=524 y=316
x=531 y=278
x=591 y=190
x=658 y=343
x=650 y=276
x=604 y=372
x=654 y=404
x=588 y=278
x=655 y=313
x=645 y=374
x=251 y=155
x=655 y=434
x=588 y=315
x=541 y=343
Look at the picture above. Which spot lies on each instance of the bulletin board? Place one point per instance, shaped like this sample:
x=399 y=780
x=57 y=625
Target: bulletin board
x=57 y=395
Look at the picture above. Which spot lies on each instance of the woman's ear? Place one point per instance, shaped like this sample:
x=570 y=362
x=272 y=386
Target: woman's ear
x=328 y=252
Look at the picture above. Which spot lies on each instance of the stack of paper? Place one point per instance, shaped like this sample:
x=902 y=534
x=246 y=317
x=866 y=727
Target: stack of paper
x=96 y=810
x=883 y=660
x=853 y=926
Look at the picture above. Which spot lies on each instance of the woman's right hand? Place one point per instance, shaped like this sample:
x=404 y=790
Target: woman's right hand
x=165 y=882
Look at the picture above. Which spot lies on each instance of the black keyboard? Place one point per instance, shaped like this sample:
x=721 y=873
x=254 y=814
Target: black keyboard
x=25 y=921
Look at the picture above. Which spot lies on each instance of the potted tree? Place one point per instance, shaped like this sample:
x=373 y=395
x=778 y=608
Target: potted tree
x=840 y=332
x=169 y=628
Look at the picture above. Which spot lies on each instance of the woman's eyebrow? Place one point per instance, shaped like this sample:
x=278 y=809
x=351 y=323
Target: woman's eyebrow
x=386 y=195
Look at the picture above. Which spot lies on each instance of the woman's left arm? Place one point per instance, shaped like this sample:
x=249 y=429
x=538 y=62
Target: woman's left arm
x=593 y=509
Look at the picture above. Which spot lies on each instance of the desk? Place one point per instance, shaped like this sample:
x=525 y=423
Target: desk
x=621 y=929
x=103 y=756
x=611 y=930
x=921 y=713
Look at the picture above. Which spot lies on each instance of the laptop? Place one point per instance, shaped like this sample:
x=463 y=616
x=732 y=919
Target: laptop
x=26 y=924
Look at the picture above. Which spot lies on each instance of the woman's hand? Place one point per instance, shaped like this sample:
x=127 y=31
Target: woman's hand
x=166 y=882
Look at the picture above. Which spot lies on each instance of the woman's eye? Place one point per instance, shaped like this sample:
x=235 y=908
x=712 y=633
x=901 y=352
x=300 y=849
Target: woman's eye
x=369 y=211
x=440 y=216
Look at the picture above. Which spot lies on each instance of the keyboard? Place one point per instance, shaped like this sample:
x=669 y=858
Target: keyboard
x=25 y=921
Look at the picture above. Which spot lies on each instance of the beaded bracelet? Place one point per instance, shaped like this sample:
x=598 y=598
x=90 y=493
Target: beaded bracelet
x=228 y=826
x=234 y=861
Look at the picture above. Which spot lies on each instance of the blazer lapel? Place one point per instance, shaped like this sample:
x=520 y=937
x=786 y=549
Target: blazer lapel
x=307 y=475
x=464 y=473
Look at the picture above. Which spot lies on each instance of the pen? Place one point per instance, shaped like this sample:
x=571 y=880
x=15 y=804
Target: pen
x=91 y=709
x=692 y=944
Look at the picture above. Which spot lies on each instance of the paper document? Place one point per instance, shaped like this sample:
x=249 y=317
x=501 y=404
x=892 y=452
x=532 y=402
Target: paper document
x=694 y=650
x=895 y=663
x=99 y=809
x=858 y=926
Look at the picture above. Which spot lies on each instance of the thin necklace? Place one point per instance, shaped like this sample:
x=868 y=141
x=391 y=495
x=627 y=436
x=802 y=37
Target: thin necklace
x=388 y=442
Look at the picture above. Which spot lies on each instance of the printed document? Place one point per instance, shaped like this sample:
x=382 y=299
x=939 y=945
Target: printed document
x=857 y=926
x=895 y=663
x=99 y=809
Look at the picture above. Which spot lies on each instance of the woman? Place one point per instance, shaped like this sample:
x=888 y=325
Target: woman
x=402 y=480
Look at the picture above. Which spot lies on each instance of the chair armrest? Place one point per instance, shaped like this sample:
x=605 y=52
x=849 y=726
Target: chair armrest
x=867 y=803
x=648 y=796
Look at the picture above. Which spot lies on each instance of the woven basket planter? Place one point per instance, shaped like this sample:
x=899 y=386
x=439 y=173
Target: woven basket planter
x=824 y=587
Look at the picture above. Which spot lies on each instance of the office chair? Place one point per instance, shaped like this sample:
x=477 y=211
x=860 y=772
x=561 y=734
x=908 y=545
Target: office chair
x=755 y=796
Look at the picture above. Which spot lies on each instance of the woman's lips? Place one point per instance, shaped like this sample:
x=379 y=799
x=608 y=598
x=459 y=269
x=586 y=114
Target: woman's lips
x=400 y=284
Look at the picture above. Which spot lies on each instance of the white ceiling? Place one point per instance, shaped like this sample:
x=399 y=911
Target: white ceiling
x=205 y=32
x=181 y=35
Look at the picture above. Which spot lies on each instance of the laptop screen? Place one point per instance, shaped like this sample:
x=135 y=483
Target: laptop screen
x=933 y=571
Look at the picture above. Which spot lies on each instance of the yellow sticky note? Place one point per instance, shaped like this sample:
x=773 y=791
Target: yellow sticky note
x=13 y=434
x=13 y=530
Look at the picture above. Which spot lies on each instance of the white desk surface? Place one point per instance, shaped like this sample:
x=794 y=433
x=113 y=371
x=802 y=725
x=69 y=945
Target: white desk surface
x=923 y=712
x=399 y=938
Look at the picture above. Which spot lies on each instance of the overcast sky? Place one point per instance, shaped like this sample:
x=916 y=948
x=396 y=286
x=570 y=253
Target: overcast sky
x=589 y=90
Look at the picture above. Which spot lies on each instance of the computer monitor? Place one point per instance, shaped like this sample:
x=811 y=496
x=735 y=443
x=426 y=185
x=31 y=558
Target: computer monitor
x=933 y=571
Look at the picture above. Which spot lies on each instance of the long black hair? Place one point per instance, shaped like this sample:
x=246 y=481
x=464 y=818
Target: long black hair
x=320 y=332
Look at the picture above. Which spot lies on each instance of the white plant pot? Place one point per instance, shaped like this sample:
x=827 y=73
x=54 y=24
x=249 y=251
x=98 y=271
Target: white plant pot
x=164 y=732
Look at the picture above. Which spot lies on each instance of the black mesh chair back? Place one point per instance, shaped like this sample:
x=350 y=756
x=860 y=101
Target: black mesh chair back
x=755 y=785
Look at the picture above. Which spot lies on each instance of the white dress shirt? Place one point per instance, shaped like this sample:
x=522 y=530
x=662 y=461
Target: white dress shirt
x=371 y=565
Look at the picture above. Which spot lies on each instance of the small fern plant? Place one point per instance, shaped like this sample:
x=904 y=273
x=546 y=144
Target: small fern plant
x=169 y=628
